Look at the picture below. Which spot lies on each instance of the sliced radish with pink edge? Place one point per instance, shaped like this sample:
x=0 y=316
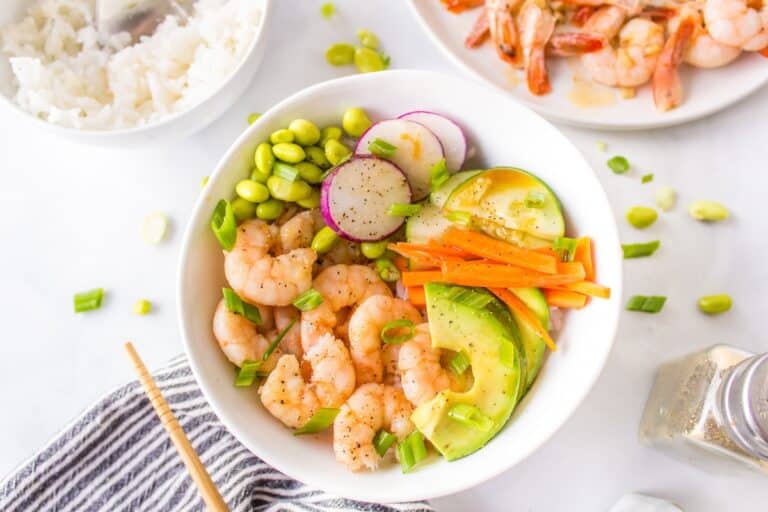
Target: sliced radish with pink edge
x=356 y=195
x=418 y=149
x=449 y=132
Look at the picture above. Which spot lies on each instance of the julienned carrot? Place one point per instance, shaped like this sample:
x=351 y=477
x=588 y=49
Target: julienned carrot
x=421 y=257
x=525 y=314
x=588 y=288
x=449 y=250
x=565 y=299
x=583 y=254
x=490 y=275
x=498 y=250
x=401 y=263
x=416 y=296
x=420 y=277
x=431 y=247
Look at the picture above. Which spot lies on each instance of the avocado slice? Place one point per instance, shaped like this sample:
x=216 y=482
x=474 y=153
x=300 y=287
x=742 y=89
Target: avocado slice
x=535 y=348
x=473 y=321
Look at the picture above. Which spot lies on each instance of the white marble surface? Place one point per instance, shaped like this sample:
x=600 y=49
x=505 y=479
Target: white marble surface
x=70 y=216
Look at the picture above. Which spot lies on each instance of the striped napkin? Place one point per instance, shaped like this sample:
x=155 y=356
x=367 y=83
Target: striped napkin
x=117 y=456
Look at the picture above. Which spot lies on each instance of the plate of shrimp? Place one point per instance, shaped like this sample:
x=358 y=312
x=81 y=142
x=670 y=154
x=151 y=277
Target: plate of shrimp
x=619 y=64
x=314 y=344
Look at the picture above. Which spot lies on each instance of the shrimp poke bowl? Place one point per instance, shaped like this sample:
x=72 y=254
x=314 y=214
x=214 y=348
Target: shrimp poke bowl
x=394 y=292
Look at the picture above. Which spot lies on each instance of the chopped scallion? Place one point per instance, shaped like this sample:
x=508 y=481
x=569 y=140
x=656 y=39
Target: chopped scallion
x=224 y=224
x=459 y=363
x=647 y=178
x=142 y=307
x=382 y=148
x=439 y=174
x=285 y=171
x=327 y=10
x=387 y=269
x=389 y=333
x=646 y=304
x=276 y=342
x=469 y=297
x=411 y=450
x=618 y=164
x=403 y=210
x=640 y=250
x=248 y=373
x=88 y=301
x=601 y=146
x=308 y=300
x=463 y=219
x=535 y=199
x=383 y=441
x=238 y=306
x=319 y=421
x=470 y=416
x=565 y=247
x=252 y=118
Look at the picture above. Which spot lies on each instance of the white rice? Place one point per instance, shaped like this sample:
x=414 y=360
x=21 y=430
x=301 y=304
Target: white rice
x=69 y=75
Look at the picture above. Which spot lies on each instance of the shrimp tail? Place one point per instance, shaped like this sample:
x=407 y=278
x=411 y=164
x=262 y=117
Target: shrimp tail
x=667 y=88
x=503 y=31
x=582 y=14
x=480 y=32
x=573 y=43
x=764 y=52
x=538 y=78
x=459 y=6
x=658 y=13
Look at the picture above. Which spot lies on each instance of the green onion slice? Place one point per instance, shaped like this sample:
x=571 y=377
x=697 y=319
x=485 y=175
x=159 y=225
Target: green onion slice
x=403 y=210
x=382 y=148
x=468 y=297
x=411 y=450
x=308 y=300
x=459 y=363
x=471 y=416
x=535 y=199
x=383 y=441
x=238 y=306
x=387 y=270
x=461 y=218
x=647 y=178
x=389 y=332
x=88 y=301
x=285 y=171
x=646 y=304
x=224 y=225
x=252 y=118
x=439 y=174
x=319 y=421
x=618 y=164
x=565 y=247
x=640 y=250
x=276 y=342
x=507 y=353
x=248 y=373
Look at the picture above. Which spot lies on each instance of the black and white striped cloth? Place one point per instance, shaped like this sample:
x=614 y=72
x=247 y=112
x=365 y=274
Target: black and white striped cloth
x=117 y=456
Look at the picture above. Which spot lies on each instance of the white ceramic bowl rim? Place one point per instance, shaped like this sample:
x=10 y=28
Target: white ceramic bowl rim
x=438 y=487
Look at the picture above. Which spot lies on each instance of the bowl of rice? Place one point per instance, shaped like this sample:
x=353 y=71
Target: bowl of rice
x=58 y=70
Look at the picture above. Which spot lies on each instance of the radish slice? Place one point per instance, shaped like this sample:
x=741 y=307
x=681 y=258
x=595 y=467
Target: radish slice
x=448 y=131
x=355 y=197
x=418 y=149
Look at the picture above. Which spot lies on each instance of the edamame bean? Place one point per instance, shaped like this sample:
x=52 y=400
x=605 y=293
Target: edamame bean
x=340 y=54
x=666 y=197
x=709 y=211
x=329 y=133
x=285 y=190
x=270 y=210
x=373 y=250
x=289 y=152
x=310 y=172
x=715 y=304
x=252 y=191
x=263 y=158
x=313 y=201
x=243 y=209
x=316 y=156
x=282 y=135
x=355 y=121
x=258 y=176
x=324 y=240
x=641 y=216
x=336 y=152
x=304 y=132
x=368 y=61
x=368 y=39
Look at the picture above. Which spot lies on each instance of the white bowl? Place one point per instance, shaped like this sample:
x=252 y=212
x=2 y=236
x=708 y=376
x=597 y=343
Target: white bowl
x=503 y=133
x=174 y=127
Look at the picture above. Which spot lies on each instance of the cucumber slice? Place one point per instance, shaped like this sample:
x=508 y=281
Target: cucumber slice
x=496 y=200
x=426 y=225
x=440 y=196
x=536 y=302
x=535 y=348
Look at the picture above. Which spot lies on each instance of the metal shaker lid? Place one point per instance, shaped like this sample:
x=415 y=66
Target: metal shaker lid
x=745 y=404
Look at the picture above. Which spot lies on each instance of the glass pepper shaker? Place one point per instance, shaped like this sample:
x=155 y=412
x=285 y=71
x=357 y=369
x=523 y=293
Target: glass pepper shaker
x=710 y=408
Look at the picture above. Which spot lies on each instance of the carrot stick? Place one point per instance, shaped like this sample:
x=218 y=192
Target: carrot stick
x=401 y=263
x=525 y=314
x=420 y=277
x=583 y=254
x=416 y=296
x=490 y=275
x=497 y=250
x=565 y=299
x=588 y=288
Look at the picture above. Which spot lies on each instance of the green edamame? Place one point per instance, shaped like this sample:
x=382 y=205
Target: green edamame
x=715 y=304
x=282 y=135
x=373 y=250
x=289 y=152
x=368 y=39
x=709 y=211
x=258 y=176
x=305 y=132
x=340 y=54
x=355 y=121
x=329 y=133
x=270 y=210
x=313 y=201
x=285 y=190
x=252 y=191
x=243 y=209
x=666 y=198
x=641 y=217
x=310 y=172
x=336 y=152
x=368 y=61
x=316 y=156
x=324 y=240
x=263 y=158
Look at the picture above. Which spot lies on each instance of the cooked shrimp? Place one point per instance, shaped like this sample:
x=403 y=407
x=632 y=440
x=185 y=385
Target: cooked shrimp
x=343 y=252
x=297 y=232
x=480 y=32
x=503 y=30
x=261 y=278
x=605 y=21
x=291 y=342
x=742 y=23
x=292 y=400
x=421 y=375
x=631 y=7
x=536 y=27
x=240 y=339
x=703 y=51
x=371 y=408
x=342 y=286
x=365 y=327
x=667 y=88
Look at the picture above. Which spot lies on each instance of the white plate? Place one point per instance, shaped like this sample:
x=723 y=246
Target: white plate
x=706 y=90
x=502 y=132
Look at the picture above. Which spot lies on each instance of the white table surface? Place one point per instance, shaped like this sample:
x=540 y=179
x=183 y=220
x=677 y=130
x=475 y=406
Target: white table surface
x=70 y=216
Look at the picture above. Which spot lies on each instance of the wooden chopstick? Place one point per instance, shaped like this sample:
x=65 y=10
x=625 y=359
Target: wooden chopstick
x=197 y=471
